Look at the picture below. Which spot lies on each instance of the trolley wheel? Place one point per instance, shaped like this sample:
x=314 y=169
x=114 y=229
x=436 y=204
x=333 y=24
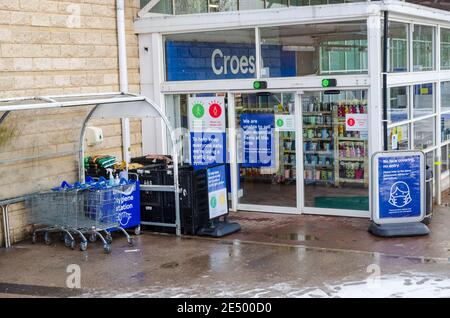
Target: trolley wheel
x=107 y=248
x=137 y=231
x=47 y=238
x=73 y=244
x=93 y=238
x=67 y=240
x=83 y=246
x=130 y=241
x=33 y=238
x=108 y=238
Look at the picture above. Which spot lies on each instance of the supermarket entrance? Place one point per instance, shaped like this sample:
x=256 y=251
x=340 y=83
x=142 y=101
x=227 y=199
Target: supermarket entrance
x=302 y=152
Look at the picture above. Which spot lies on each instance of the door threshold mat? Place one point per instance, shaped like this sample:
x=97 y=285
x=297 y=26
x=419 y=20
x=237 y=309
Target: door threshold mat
x=360 y=203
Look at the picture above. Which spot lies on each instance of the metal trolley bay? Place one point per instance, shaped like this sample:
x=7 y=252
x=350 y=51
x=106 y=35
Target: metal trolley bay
x=90 y=211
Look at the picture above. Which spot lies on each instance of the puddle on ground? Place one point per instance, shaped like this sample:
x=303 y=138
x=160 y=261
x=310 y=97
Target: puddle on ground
x=295 y=237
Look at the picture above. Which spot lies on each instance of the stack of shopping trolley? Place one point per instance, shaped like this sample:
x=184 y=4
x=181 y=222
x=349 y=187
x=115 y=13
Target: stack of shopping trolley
x=88 y=211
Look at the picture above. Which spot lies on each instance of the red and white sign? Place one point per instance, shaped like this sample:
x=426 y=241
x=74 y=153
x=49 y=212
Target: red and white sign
x=356 y=122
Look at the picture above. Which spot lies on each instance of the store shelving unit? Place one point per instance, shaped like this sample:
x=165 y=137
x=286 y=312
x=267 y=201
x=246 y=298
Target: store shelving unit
x=318 y=154
x=350 y=149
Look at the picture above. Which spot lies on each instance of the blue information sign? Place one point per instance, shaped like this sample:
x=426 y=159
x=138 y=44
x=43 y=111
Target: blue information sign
x=189 y=61
x=258 y=140
x=208 y=148
x=399 y=186
x=217 y=191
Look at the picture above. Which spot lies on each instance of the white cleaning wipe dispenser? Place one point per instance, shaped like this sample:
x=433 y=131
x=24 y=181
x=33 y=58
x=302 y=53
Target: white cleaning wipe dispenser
x=94 y=136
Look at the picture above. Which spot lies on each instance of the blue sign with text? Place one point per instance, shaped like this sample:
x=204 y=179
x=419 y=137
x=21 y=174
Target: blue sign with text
x=189 y=61
x=399 y=184
x=208 y=148
x=258 y=140
x=217 y=191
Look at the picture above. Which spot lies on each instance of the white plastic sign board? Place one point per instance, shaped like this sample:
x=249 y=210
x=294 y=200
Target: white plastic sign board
x=207 y=114
x=398 y=192
x=356 y=122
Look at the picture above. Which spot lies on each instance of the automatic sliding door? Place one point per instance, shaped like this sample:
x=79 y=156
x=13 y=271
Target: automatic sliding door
x=335 y=151
x=266 y=146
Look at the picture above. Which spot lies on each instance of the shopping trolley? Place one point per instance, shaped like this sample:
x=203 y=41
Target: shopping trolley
x=80 y=209
x=102 y=211
x=57 y=211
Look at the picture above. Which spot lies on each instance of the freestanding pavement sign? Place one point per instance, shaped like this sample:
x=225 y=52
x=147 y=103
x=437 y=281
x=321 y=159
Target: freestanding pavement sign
x=398 y=194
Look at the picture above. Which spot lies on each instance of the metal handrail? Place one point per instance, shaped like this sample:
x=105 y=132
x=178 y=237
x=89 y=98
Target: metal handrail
x=4 y=204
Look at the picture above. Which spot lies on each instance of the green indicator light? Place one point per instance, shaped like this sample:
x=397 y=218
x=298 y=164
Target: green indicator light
x=329 y=82
x=259 y=84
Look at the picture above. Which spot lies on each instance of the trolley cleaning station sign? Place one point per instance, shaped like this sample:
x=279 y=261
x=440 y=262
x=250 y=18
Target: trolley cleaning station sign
x=207 y=131
x=398 y=187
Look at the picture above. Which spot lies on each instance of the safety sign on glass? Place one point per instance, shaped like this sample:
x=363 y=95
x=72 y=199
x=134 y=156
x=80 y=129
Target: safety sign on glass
x=400 y=185
x=217 y=191
x=257 y=132
x=356 y=122
x=207 y=130
x=284 y=123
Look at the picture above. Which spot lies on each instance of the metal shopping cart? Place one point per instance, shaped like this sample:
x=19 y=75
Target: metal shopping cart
x=83 y=210
x=56 y=210
x=102 y=212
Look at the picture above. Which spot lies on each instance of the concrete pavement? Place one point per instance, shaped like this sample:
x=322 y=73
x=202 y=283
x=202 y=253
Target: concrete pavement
x=273 y=256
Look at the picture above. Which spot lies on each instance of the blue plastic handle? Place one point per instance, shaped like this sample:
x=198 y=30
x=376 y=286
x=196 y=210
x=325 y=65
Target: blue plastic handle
x=66 y=185
x=89 y=179
x=124 y=181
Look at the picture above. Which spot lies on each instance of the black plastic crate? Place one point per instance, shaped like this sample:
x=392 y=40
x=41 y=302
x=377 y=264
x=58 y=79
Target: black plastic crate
x=145 y=160
x=152 y=198
x=152 y=177
x=152 y=213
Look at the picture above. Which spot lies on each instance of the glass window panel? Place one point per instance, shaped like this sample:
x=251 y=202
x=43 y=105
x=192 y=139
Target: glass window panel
x=398 y=138
x=445 y=49
x=329 y=48
x=445 y=96
x=429 y=159
x=223 y=5
x=297 y=3
x=424 y=134
x=191 y=6
x=251 y=4
x=163 y=6
x=424 y=100
x=398 y=47
x=144 y=3
x=276 y=3
x=210 y=55
x=445 y=154
x=398 y=107
x=335 y=160
x=445 y=127
x=423 y=48
x=267 y=157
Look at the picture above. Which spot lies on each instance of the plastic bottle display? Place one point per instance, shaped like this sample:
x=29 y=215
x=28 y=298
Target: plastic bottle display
x=331 y=153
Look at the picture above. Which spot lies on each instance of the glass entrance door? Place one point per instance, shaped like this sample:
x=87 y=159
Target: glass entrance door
x=335 y=152
x=266 y=151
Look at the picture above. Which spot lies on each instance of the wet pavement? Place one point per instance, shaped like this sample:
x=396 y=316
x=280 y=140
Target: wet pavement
x=273 y=256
